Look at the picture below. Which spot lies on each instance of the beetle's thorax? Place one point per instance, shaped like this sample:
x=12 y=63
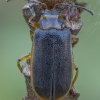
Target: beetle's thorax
x=55 y=19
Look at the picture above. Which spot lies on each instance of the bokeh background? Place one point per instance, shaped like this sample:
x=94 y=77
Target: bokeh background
x=15 y=42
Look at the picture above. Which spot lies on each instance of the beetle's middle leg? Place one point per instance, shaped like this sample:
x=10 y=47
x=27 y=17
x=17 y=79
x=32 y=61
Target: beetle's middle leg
x=26 y=57
x=74 y=67
x=72 y=90
x=75 y=40
x=76 y=75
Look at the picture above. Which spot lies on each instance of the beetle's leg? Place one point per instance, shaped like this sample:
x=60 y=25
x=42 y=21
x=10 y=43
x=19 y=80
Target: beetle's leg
x=76 y=75
x=26 y=57
x=31 y=34
x=74 y=80
x=74 y=67
x=75 y=40
x=33 y=23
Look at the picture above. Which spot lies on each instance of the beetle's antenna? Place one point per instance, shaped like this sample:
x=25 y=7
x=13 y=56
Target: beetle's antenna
x=72 y=5
x=8 y=0
x=80 y=7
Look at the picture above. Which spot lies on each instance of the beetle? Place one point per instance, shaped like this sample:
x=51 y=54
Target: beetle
x=54 y=25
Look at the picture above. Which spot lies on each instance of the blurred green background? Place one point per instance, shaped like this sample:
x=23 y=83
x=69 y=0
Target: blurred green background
x=15 y=42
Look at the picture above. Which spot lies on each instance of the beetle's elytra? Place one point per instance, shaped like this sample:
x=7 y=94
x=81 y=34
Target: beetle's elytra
x=51 y=65
x=54 y=25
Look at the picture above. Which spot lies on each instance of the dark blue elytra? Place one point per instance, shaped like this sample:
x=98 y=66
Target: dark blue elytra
x=52 y=65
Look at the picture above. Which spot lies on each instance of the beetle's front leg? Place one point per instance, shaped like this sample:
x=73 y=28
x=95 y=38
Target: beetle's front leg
x=31 y=34
x=32 y=25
